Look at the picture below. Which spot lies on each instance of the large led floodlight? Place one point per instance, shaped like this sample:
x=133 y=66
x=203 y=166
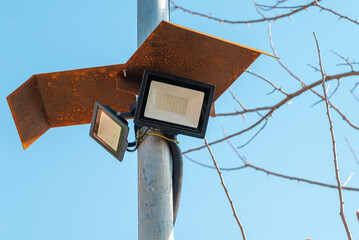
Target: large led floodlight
x=175 y=105
x=109 y=131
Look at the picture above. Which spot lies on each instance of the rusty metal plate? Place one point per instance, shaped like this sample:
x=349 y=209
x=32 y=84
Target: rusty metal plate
x=190 y=54
x=63 y=99
x=28 y=112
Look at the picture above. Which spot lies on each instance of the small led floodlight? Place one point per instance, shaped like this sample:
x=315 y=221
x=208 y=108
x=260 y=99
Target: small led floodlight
x=109 y=131
x=175 y=105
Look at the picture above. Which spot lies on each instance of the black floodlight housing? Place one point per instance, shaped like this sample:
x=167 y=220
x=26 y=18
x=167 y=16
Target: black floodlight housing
x=109 y=130
x=173 y=104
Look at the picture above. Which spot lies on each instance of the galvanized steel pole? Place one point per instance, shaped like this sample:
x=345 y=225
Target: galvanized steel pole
x=149 y=14
x=155 y=209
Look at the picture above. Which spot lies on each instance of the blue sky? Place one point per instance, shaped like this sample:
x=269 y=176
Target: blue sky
x=65 y=186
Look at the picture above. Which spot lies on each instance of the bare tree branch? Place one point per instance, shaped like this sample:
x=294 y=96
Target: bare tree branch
x=300 y=179
x=235 y=134
x=247 y=22
x=297 y=93
x=226 y=191
x=348 y=179
x=331 y=95
x=335 y=90
x=242 y=112
x=278 y=60
x=211 y=167
x=345 y=59
x=334 y=147
x=321 y=100
x=240 y=103
x=353 y=93
x=337 y=14
x=244 y=160
x=268 y=172
x=266 y=80
x=352 y=150
x=255 y=135
x=346 y=64
x=237 y=100
x=294 y=10
x=315 y=68
x=276 y=6
x=280 y=10
x=304 y=85
x=248 y=164
x=278 y=105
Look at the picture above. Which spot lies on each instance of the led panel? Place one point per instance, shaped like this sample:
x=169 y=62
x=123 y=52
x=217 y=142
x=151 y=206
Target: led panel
x=173 y=104
x=109 y=131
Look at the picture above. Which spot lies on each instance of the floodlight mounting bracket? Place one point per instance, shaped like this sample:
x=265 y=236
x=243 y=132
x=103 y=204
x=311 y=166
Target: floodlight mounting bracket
x=121 y=117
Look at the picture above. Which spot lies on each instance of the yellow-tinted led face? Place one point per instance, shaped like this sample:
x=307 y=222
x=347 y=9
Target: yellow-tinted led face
x=171 y=103
x=108 y=130
x=174 y=104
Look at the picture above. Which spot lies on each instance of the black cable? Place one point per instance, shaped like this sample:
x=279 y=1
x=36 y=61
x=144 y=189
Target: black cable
x=177 y=174
x=138 y=139
x=177 y=170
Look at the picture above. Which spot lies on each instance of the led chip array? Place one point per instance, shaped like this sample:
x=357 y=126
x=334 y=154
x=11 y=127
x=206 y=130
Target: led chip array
x=172 y=104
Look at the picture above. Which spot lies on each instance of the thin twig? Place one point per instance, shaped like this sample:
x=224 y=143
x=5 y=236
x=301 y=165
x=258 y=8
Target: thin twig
x=352 y=150
x=237 y=100
x=345 y=59
x=353 y=93
x=276 y=6
x=258 y=10
x=211 y=167
x=337 y=14
x=300 y=179
x=255 y=135
x=235 y=134
x=341 y=201
x=331 y=95
x=268 y=172
x=335 y=90
x=315 y=68
x=321 y=100
x=243 y=159
x=266 y=80
x=278 y=60
x=240 y=103
x=346 y=64
x=348 y=179
x=244 y=111
x=225 y=189
x=247 y=22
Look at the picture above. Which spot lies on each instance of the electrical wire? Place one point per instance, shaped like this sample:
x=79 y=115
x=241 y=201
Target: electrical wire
x=158 y=135
x=138 y=139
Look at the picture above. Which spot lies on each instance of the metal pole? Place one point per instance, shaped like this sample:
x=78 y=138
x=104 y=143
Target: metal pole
x=149 y=14
x=155 y=209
